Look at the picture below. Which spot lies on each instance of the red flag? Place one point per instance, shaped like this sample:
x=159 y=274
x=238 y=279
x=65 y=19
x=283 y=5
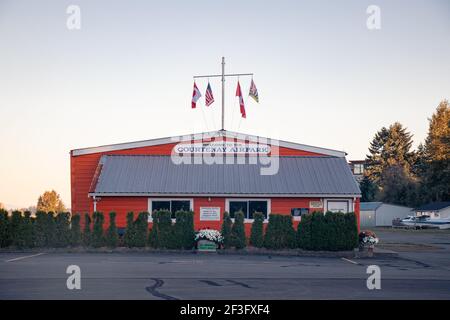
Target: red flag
x=209 y=98
x=241 y=100
x=195 y=96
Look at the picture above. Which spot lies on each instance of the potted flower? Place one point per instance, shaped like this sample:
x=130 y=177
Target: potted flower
x=208 y=239
x=367 y=239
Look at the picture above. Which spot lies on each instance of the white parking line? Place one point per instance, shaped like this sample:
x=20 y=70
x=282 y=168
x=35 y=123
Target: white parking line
x=25 y=257
x=351 y=261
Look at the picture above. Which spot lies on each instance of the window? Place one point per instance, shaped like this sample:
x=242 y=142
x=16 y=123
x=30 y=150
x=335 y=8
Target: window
x=358 y=168
x=171 y=205
x=338 y=206
x=248 y=207
x=298 y=212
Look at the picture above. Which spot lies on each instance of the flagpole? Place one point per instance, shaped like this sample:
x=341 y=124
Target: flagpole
x=223 y=93
x=222 y=76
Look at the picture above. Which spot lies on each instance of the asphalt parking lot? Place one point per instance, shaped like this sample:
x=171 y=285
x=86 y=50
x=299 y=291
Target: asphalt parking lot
x=409 y=275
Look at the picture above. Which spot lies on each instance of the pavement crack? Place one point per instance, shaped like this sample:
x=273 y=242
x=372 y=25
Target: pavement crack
x=154 y=292
x=211 y=283
x=239 y=284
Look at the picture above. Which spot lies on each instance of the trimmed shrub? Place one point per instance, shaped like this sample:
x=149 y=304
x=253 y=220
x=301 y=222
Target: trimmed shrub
x=333 y=231
x=87 y=233
x=112 y=236
x=97 y=231
x=226 y=230
x=280 y=233
x=257 y=236
x=130 y=230
x=5 y=239
x=62 y=228
x=140 y=230
x=75 y=231
x=304 y=232
x=27 y=230
x=16 y=229
x=351 y=230
x=50 y=230
x=184 y=230
x=162 y=231
x=40 y=229
x=238 y=231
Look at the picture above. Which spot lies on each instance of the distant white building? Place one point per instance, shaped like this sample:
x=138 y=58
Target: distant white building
x=435 y=210
x=379 y=214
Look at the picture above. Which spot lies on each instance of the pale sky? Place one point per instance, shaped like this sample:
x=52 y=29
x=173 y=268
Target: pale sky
x=323 y=77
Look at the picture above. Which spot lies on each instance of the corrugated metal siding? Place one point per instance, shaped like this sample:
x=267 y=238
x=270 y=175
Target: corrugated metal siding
x=159 y=175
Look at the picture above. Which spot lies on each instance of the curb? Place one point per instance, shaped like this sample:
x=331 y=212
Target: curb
x=244 y=252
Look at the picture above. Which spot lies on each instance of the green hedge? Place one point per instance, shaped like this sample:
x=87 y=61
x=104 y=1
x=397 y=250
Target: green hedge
x=316 y=231
x=112 y=238
x=5 y=238
x=226 y=230
x=257 y=232
x=328 y=232
x=75 y=231
x=162 y=233
x=184 y=230
x=128 y=238
x=280 y=233
x=140 y=230
x=87 y=232
x=238 y=231
x=98 y=240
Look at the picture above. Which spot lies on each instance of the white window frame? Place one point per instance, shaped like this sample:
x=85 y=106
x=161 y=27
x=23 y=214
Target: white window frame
x=150 y=206
x=350 y=204
x=269 y=207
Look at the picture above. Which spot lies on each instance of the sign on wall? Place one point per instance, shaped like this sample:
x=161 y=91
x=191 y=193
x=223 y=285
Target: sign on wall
x=222 y=147
x=209 y=213
x=316 y=204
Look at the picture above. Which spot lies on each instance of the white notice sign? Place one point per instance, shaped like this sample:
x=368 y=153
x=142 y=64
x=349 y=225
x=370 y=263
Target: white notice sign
x=209 y=213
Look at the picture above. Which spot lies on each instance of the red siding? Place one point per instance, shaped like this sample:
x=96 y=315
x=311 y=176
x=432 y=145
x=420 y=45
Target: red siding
x=82 y=170
x=122 y=205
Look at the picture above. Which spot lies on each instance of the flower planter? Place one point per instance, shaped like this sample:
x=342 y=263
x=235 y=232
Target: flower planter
x=206 y=246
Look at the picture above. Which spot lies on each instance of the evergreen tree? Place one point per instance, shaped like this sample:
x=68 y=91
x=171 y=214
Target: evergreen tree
x=62 y=228
x=75 y=231
x=184 y=229
x=98 y=239
x=238 y=231
x=130 y=230
x=87 y=233
x=27 y=230
x=141 y=229
x=390 y=158
x=226 y=230
x=17 y=229
x=50 y=230
x=111 y=234
x=368 y=189
x=5 y=239
x=304 y=233
x=435 y=174
x=40 y=229
x=257 y=232
x=390 y=147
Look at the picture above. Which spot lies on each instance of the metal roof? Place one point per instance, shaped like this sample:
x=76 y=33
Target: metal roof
x=139 y=175
x=370 y=206
x=204 y=135
x=434 y=206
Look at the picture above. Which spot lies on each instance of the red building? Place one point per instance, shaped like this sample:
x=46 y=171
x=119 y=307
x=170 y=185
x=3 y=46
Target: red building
x=211 y=173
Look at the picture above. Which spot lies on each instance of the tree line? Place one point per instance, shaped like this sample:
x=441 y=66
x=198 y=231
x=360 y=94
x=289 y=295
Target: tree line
x=394 y=173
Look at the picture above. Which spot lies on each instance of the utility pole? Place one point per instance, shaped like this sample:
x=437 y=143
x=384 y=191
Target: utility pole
x=222 y=76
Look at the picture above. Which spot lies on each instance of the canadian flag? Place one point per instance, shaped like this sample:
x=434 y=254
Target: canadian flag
x=195 y=96
x=241 y=100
